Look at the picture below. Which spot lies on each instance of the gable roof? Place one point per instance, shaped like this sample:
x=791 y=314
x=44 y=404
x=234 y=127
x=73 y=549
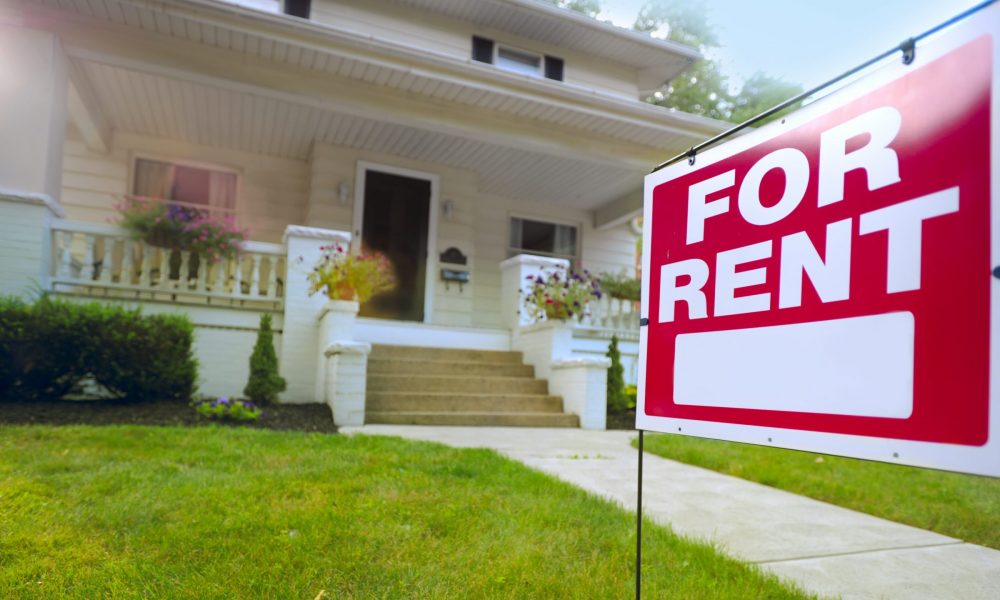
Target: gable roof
x=657 y=60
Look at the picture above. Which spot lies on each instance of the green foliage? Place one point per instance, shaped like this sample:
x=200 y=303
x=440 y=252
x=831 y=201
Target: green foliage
x=631 y=395
x=212 y=512
x=228 y=410
x=617 y=401
x=591 y=8
x=51 y=347
x=181 y=228
x=560 y=297
x=342 y=275
x=703 y=89
x=265 y=383
x=622 y=286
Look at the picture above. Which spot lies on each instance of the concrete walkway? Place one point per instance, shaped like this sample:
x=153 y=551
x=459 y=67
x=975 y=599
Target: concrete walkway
x=825 y=549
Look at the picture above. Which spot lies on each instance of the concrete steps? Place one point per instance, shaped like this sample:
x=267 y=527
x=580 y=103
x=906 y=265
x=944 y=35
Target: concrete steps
x=410 y=385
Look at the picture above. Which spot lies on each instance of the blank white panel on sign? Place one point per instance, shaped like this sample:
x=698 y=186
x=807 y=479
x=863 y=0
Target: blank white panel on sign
x=861 y=366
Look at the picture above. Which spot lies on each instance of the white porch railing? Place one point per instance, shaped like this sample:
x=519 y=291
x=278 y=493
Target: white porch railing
x=89 y=257
x=613 y=313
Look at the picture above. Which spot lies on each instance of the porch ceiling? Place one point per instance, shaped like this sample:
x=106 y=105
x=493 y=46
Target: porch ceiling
x=161 y=106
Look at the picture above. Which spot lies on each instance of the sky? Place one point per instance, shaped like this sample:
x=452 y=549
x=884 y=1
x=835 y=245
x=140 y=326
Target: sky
x=806 y=41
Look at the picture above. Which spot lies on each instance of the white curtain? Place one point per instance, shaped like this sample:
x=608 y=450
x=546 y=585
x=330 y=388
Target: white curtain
x=222 y=190
x=153 y=179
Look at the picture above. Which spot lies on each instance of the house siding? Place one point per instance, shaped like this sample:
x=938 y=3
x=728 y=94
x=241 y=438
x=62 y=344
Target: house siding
x=277 y=192
x=453 y=37
x=478 y=227
x=273 y=190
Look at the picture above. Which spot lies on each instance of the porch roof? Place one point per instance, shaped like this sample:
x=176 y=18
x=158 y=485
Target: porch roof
x=177 y=68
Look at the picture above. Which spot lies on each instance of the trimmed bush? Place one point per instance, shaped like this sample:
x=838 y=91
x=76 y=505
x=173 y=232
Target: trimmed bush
x=50 y=348
x=265 y=384
x=617 y=401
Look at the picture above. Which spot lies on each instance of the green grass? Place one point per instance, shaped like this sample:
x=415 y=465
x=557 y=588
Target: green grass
x=962 y=506
x=129 y=512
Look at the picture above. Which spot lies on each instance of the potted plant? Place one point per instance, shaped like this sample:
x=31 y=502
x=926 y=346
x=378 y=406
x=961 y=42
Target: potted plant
x=560 y=296
x=621 y=286
x=351 y=277
x=176 y=228
x=347 y=280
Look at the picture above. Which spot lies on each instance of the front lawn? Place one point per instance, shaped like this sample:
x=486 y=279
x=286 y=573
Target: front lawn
x=963 y=506
x=130 y=511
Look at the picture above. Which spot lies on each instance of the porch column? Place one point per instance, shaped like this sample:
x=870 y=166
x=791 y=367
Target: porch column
x=300 y=357
x=514 y=283
x=33 y=83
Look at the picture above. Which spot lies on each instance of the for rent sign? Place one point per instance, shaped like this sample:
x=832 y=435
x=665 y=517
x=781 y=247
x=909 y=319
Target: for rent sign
x=824 y=283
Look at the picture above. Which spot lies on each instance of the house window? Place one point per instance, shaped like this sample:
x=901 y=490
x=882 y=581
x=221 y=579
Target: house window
x=186 y=185
x=528 y=236
x=518 y=61
x=515 y=60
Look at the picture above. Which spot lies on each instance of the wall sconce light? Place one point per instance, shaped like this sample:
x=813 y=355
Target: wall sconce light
x=448 y=208
x=344 y=192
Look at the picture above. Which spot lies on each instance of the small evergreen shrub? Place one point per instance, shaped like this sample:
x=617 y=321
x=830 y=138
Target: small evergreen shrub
x=51 y=347
x=264 y=384
x=617 y=401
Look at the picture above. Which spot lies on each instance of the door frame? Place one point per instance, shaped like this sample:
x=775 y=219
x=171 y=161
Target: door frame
x=359 y=213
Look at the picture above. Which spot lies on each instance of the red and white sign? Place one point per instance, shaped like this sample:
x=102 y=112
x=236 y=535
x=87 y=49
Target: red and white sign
x=824 y=283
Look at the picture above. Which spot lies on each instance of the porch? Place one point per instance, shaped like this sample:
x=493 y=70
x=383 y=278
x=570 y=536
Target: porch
x=297 y=124
x=448 y=367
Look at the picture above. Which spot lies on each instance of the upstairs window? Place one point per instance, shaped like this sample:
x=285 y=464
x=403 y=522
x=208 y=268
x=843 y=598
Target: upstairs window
x=528 y=236
x=516 y=60
x=519 y=61
x=194 y=186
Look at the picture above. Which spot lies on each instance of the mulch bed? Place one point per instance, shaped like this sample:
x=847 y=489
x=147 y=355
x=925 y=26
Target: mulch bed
x=621 y=421
x=284 y=417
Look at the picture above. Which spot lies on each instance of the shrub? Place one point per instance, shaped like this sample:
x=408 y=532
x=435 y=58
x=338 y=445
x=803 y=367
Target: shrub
x=51 y=347
x=632 y=396
x=560 y=297
x=622 y=286
x=227 y=410
x=264 y=384
x=617 y=401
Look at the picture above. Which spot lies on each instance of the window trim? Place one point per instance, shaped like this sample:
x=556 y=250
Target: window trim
x=540 y=71
x=137 y=155
x=574 y=262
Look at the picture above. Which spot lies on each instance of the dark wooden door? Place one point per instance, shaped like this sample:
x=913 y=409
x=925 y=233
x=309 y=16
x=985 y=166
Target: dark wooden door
x=395 y=222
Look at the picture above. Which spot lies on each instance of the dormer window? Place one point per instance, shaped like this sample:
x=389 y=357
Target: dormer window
x=515 y=60
x=518 y=61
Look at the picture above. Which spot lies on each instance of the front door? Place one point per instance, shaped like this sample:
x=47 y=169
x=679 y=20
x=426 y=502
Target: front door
x=395 y=222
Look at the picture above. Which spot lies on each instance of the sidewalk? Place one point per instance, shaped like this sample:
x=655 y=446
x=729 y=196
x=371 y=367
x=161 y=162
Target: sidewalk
x=825 y=549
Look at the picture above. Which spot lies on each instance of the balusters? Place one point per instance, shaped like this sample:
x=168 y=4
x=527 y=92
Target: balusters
x=89 y=264
x=237 y=275
x=200 y=282
x=272 y=276
x=128 y=248
x=146 y=265
x=65 y=253
x=220 y=273
x=255 y=275
x=108 y=244
x=183 y=275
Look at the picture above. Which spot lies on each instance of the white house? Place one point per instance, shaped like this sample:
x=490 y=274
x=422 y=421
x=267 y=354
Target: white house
x=492 y=137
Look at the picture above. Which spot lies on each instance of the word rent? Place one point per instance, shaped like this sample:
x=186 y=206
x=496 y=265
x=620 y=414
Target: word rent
x=829 y=269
